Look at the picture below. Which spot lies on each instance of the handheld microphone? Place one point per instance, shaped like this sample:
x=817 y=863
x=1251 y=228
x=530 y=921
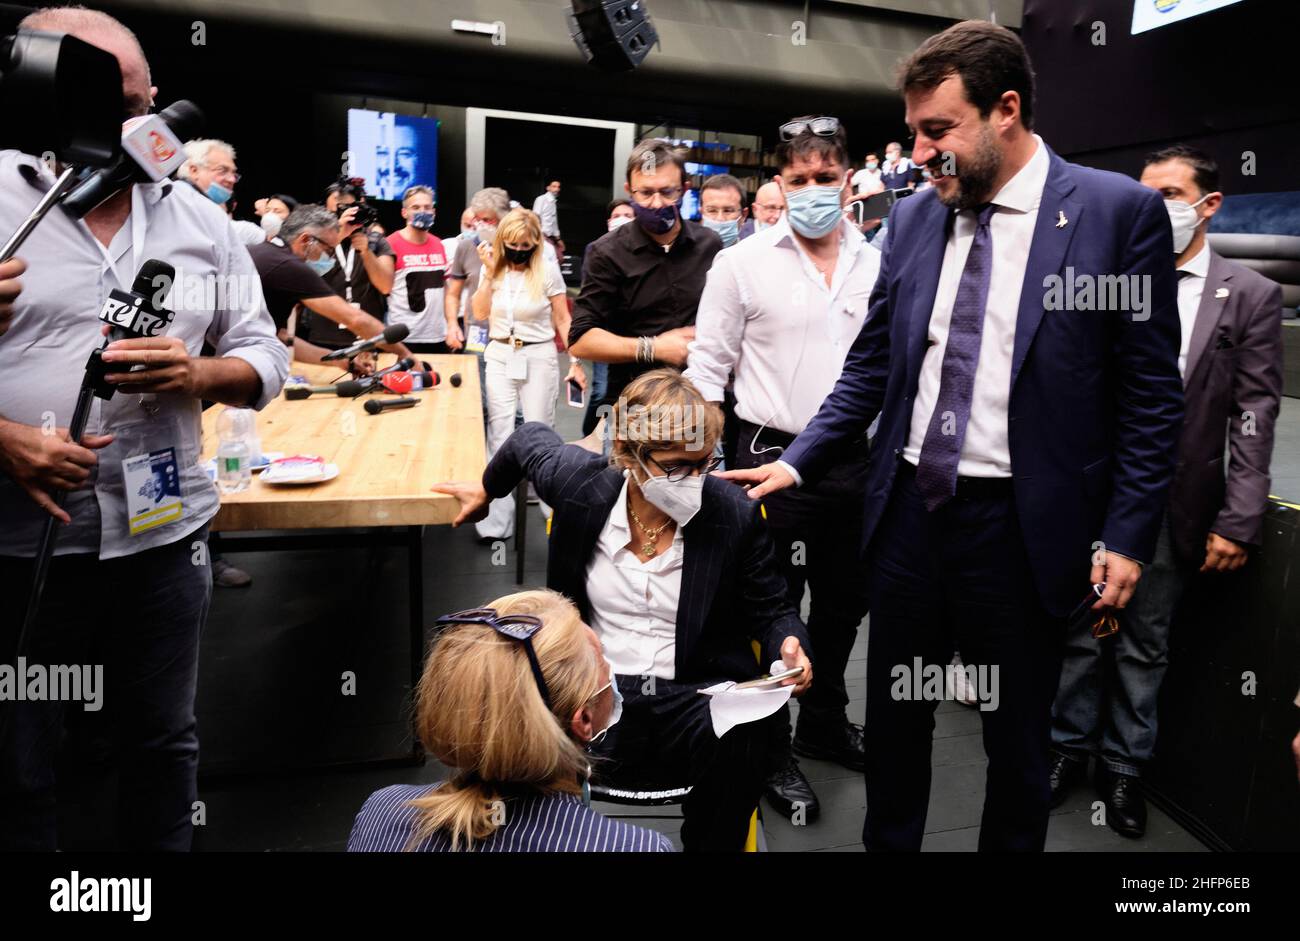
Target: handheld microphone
x=401 y=383
x=132 y=315
x=152 y=150
x=375 y=406
x=295 y=393
x=393 y=333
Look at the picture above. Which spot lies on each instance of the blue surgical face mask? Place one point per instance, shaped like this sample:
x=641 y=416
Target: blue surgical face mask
x=616 y=713
x=422 y=220
x=218 y=193
x=814 y=210
x=729 y=230
x=322 y=265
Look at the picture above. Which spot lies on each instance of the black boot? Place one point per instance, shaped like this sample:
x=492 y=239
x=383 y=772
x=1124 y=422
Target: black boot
x=789 y=792
x=1064 y=773
x=841 y=743
x=1126 y=808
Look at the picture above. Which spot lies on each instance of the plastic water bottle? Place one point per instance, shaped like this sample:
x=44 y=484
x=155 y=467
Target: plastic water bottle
x=235 y=429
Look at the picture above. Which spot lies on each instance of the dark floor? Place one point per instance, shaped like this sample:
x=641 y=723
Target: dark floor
x=308 y=668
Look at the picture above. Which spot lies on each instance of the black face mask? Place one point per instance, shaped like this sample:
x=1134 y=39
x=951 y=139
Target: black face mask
x=519 y=256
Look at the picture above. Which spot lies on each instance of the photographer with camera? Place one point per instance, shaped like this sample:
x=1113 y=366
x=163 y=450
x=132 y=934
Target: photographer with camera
x=363 y=274
x=128 y=588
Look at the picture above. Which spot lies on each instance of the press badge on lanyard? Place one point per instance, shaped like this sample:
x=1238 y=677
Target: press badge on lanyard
x=152 y=487
x=477 y=340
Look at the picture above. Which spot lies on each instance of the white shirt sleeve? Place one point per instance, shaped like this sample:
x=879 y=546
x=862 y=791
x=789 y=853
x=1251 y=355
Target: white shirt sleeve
x=719 y=330
x=554 y=281
x=241 y=324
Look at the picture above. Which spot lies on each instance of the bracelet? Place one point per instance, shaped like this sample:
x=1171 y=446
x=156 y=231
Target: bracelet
x=645 y=349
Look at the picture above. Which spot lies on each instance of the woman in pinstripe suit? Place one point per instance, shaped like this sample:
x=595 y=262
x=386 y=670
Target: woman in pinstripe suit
x=510 y=697
x=675 y=572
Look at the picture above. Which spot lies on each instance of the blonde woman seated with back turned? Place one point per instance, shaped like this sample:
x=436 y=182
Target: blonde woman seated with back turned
x=510 y=697
x=522 y=296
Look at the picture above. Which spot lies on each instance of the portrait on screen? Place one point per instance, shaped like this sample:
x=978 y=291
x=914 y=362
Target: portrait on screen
x=392 y=152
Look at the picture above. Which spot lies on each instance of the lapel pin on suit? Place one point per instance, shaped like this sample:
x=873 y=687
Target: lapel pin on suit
x=1221 y=293
x=1061 y=221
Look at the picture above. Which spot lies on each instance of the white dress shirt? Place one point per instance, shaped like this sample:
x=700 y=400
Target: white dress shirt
x=216 y=296
x=545 y=207
x=864 y=177
x=985 y=451
x=634 y=604
x=767 y=315
x=1191 y=285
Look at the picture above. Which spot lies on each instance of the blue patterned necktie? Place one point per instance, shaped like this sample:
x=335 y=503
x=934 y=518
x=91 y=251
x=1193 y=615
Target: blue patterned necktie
x=936 y=471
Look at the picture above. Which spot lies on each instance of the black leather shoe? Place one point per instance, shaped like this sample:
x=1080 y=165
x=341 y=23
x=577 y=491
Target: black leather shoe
x=841 y=743
x=788 y=791
x=1064 y=773
x=1126 y=808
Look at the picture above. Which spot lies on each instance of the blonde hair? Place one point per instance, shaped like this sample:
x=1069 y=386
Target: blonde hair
x=661 y=410
x=520 y=225
x=479 y=712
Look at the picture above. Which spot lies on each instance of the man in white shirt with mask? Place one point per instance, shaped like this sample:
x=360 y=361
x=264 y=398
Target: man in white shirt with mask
x=781 y=310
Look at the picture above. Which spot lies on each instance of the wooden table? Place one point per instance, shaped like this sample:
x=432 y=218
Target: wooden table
x=387 y=463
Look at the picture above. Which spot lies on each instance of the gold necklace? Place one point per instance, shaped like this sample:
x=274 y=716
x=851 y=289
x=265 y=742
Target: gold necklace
x=651 y=535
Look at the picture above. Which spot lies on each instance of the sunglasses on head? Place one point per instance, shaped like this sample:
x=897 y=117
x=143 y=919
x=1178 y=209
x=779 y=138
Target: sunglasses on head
x=822 y=127
x=517 y=627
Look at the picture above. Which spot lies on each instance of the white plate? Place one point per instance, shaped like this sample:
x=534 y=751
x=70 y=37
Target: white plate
x=329 y=472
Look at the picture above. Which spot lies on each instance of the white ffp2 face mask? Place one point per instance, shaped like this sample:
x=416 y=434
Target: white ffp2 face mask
x=680 y=499
x=1184 y=218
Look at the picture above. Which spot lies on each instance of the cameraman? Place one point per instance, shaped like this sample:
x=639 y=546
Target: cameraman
x=127 y=593
x=363 y=273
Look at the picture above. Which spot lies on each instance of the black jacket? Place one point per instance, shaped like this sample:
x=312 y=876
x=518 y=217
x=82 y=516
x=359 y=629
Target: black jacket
x=732 y=591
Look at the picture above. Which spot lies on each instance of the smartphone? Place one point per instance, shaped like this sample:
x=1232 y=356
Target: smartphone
x=575 y=394
x=773 y=680
x=877 y=206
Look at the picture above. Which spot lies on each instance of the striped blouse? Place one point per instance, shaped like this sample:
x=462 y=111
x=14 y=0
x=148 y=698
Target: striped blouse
x=534 y=823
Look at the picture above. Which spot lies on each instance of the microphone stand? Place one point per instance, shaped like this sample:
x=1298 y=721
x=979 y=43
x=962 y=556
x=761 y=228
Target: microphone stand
x=60 y=189
x=92 y=386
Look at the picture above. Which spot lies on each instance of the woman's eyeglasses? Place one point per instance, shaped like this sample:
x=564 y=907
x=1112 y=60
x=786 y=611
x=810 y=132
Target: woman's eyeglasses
x=517 y=627
x=680 y=471
x=822 y=127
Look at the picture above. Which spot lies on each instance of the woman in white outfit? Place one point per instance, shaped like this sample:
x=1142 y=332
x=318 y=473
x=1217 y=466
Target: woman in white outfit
x=523 y=298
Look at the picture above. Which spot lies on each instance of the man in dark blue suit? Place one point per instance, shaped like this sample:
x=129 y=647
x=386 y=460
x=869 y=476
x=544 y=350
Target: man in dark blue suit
x=1021 y=351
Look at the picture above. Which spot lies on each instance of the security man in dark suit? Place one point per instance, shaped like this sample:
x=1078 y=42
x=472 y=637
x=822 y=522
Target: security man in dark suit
x=1231 y=361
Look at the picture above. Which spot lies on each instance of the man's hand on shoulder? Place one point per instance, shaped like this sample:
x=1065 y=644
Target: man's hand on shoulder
x=760 y=481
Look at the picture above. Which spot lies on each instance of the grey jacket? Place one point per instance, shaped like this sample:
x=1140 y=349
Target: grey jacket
x=1233 y=382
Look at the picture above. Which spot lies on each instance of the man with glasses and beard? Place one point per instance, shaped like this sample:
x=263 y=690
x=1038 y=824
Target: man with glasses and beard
x=1025 y=447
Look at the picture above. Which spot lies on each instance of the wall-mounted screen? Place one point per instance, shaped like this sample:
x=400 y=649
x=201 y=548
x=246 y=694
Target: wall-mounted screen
x=1150 y=14
x=392 y=152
